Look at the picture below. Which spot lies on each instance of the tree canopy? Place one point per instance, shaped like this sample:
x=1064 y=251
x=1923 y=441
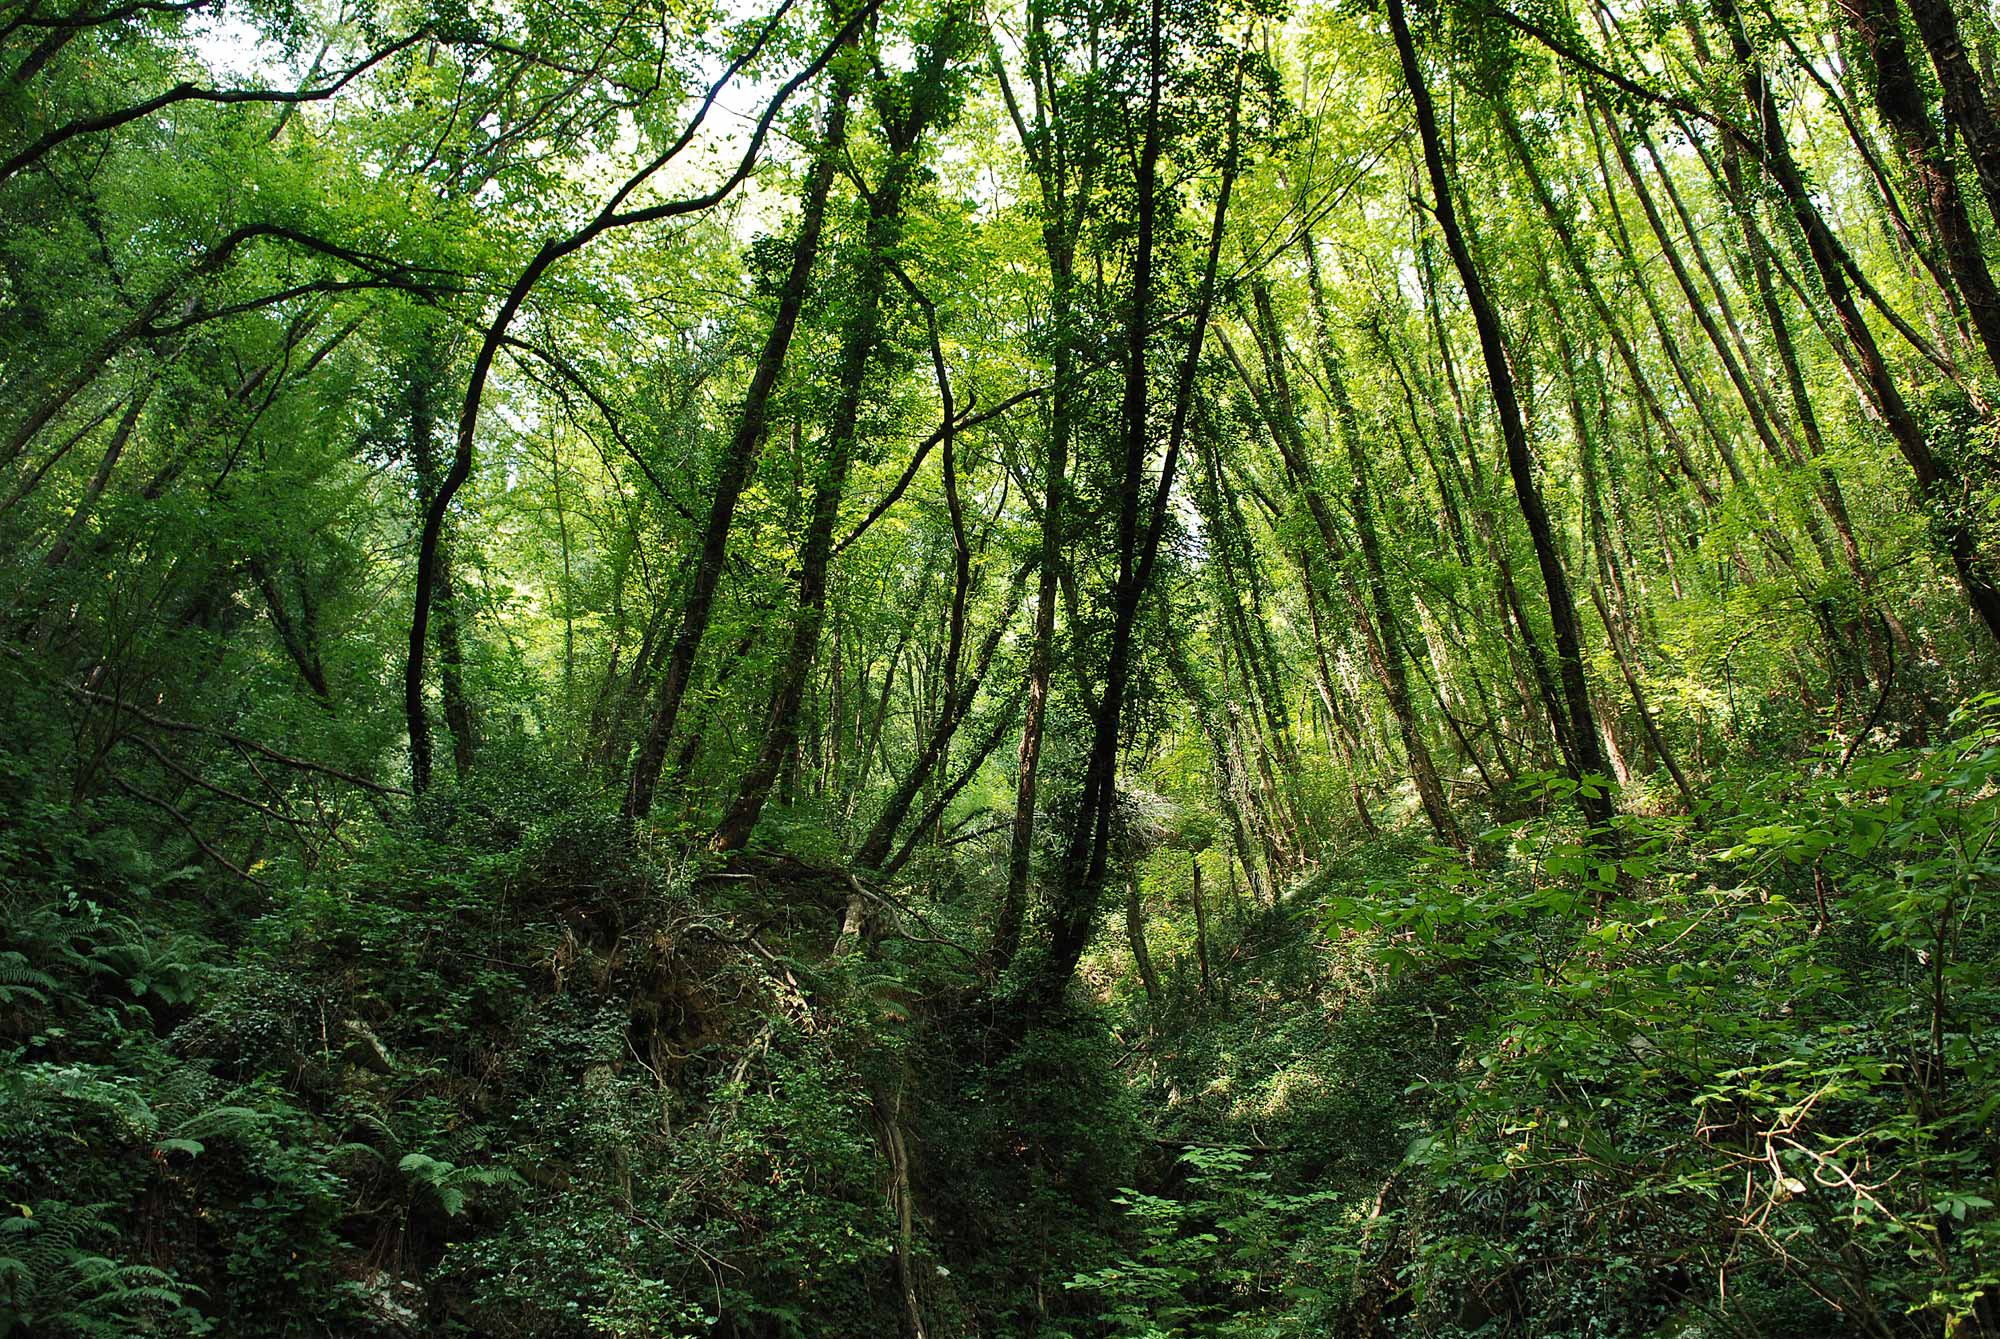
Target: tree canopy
x=1083 y=667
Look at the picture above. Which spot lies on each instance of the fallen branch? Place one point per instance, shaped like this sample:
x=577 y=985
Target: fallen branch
x=186 y=825
x=229 y=736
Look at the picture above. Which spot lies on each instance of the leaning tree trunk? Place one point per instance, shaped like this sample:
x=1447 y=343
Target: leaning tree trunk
x=875 y=846
x=1085 y=857
x=1062 y=219
x=1965 y=104
x=1430 y=790
x=1135 y=934
x=426 y=377
x=1938 y=483
x=904 y=130
x=1899 y=97
x=1582 y=748
x=734 y=471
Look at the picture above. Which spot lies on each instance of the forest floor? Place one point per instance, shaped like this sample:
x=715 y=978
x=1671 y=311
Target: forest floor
x=520 y=1077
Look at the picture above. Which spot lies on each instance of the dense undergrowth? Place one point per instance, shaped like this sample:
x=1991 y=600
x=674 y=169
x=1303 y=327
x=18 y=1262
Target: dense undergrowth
x=507 y=1077
x=853 y=668
x=513 y=1073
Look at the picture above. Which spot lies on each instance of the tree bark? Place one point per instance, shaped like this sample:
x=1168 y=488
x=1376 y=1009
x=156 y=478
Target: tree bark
x=1900 y=99
x=1965 y=104
x=1135 y=934
x=1423 y=771
x=427 y=372
x=738 y=457
x=1085 y=858
x=1584 y=753
x=904 y=128
x=1062 y=219
x=1943 y=491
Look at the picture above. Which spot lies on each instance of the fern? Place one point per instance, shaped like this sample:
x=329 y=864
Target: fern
x=450 y=1182
x=55 y=1281
x=115 y=1100
x=21 y=982
x=238 y=1123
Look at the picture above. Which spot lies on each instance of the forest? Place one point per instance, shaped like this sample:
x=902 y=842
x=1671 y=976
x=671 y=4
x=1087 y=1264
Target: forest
x=1035 y=669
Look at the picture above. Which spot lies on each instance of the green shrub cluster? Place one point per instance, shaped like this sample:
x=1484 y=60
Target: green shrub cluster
x=1729 y=1074
x=507 y=1075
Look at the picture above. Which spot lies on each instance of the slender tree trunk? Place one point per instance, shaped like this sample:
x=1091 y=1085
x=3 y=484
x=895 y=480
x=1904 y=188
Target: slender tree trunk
x=1200 y=925
x=1684 y=373
x=1374 y=618
x=1085 y=858
x=733 y=661
x=1062 y=213
x=1965 y=104
x=1900 y=99
x=93 y=490
x=733 y=472
x=904 y=129
x=968 y=767
x=1221 y=755
x=1041 y=653
x=1840 y=549
x=1393 y=654
x=300 y=636
x=1135 y=933
x=1661 y=749
x=951 y=714
x=1579 y=265
x=619 y=698
x=1524 y=647
x=1585 y=755
x=1938 y=483
x=1346 y=744
x=1702 y=306
x=1236 y=572
x=426 y=374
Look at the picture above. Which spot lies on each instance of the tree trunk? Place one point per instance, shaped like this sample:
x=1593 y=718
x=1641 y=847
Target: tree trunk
x=1200 y=926
x=1900 y=99
x=1085 y=858
x=1346 y=744
x=968 y=767
x=904 y=130
x=1583 y=751
x=426 y=376
x=1943 y=492
x=1061 y=221
x=1221 y=755
x=1579 y=265
x=1396 y=682
x=738 y=457
x=952 y=713
x=1135 y=933
x=1965 y=104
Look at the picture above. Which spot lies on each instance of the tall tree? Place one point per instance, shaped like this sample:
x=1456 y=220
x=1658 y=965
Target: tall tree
x=907 y=109
x=1575 y=720
x=738 y=457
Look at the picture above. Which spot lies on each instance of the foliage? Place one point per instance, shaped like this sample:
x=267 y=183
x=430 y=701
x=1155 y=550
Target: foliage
x=1743 y=1051
x=1066 y=668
